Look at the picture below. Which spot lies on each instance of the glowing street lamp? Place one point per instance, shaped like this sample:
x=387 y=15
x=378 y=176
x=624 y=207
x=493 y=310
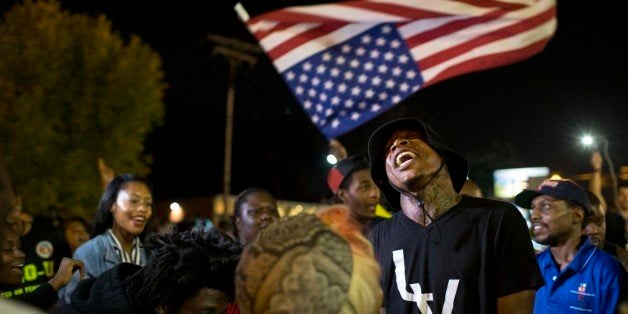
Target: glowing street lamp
x=176 y=213
x=587 y=140
x=590 y=140
x=331 y=159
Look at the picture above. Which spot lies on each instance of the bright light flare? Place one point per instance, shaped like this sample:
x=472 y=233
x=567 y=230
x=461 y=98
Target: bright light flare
x=587 y=140
x=331 y=159
x=176 y=213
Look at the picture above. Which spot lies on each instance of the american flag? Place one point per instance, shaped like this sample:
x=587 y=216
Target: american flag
x=348 y=62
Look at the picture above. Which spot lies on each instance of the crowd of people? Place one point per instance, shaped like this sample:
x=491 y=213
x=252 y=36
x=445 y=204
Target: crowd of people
x=445 y=248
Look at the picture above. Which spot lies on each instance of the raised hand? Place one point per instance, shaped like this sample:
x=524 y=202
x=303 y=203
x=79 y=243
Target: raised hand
x=64 y=274
x=596 y=161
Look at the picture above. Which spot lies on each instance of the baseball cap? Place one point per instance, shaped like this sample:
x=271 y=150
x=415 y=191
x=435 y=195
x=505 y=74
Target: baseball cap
x=560 y=188
x=457 y=165
x=343 y=169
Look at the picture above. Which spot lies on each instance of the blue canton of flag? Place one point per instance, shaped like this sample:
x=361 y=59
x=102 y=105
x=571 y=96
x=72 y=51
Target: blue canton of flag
x=350 y=83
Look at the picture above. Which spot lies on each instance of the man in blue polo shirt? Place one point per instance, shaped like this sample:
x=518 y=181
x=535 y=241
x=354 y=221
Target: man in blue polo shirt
x=579 y=277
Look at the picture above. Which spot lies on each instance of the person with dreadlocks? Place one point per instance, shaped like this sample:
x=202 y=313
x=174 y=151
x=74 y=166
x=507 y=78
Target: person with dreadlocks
x=445 y=252
x=187 y=272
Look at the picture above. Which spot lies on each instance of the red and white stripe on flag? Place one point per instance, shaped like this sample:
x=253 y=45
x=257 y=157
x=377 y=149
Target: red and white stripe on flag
x=444 y=39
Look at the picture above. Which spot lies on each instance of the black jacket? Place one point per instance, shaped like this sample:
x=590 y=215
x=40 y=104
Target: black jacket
x=104 y=294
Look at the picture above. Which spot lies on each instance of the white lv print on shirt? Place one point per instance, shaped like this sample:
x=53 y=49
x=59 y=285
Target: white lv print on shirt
x=418 y=296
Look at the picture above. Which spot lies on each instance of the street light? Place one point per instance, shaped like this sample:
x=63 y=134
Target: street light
x=331 y=159
x=176 y=213
x=590 y=140
x=587 y=140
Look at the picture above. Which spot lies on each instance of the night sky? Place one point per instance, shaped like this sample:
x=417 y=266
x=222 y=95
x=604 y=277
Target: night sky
x=527 y=114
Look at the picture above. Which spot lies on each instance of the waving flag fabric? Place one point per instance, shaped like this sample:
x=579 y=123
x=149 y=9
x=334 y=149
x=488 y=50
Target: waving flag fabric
x=348 y=62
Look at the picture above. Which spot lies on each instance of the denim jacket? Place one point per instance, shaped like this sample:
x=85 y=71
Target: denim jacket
x=97 y=255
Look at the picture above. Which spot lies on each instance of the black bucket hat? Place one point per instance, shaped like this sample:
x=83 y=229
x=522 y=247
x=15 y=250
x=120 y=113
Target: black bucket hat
x=457 y=165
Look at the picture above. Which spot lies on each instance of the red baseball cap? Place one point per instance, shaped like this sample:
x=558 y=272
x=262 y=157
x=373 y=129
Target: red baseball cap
x=343 y=169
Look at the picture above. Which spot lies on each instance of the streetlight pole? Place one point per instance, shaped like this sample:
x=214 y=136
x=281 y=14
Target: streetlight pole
x=236 y=51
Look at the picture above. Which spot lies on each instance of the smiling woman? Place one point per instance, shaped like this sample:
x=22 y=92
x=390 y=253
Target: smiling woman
x=44 y=295
x=125 y=210
x=12 y=258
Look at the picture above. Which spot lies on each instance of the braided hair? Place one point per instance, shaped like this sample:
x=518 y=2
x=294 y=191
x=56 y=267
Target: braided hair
x=180 y=265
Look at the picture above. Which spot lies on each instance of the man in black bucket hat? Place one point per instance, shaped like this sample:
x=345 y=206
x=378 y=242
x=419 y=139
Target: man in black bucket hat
x=444 y=251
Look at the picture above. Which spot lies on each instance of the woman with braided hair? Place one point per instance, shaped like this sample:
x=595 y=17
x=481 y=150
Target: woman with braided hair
x=309 y=263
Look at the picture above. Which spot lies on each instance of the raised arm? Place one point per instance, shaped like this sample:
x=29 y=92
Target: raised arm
x=595 y=185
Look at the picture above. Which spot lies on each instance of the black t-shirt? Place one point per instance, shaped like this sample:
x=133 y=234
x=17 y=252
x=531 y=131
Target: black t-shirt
x=463 y=261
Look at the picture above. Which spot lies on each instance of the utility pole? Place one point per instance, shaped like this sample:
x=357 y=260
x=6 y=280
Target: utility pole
x=236 y=51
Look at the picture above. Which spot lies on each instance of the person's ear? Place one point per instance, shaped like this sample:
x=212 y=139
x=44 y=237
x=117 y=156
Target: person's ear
x=343 y=195
x=238 y=223
x=577 y=215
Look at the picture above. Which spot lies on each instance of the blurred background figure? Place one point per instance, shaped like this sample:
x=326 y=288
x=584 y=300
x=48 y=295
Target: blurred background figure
x=106 y=173
x=615 y=219
x=124 y=212
x=75 y=230
x=13 y=219
x=622 y=203
x=337 y=149
x=227 y=225
x=193 y=223
x=309 y=264
x=188 y=272
x=350 y=181
x=254 y=209
x=10 y=206
x=595 y=229
x=74 y=234
x=470 y=188
x=26 y=220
